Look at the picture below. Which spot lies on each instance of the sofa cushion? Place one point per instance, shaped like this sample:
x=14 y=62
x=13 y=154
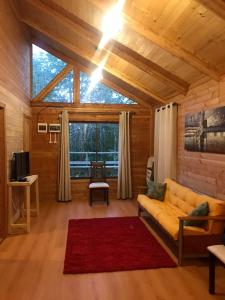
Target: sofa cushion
x=167 y=216
x=180 y=201
x=156 y=190
x=216 y=208
x=182 y=197
x=201 y=210
x=187 y=200
x=169 y=220
x=151 y=205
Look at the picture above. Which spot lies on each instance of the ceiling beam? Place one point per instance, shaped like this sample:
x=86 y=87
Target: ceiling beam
x=94 y=35
x=216 y=6
x=170 y=46
x=151 y=68
x=96 y=60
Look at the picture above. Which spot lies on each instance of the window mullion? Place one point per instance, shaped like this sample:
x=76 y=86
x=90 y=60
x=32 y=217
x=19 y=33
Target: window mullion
x=97 y=142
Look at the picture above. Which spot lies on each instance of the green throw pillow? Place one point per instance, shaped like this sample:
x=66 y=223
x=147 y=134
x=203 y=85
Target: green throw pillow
x=201 y=210
x=156 y=190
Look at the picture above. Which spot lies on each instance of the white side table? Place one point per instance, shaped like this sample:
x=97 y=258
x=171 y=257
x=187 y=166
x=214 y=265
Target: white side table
x=33 y=179
x=215 y=252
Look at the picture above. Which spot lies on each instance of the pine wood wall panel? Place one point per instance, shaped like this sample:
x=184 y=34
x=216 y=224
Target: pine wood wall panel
x=14 y=76
x=3 y=203
x=45 y=156
x=204 y=172
x=14 y=86
x=140 y=150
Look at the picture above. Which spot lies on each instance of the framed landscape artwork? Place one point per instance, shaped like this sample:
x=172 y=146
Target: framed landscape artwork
x=205 y=131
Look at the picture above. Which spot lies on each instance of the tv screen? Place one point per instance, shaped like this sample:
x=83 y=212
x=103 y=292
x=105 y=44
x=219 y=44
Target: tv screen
x=21 y=166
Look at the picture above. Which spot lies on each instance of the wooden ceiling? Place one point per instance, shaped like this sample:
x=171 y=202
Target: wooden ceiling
x=165 y=45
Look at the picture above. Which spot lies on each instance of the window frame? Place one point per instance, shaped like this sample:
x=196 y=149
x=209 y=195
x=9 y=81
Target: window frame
x=77 y=69
x=32 y=77
x=107 y=85
x=73 y=88
x=96 y=152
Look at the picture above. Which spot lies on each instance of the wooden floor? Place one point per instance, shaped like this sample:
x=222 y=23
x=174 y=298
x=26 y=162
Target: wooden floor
x=31 y=265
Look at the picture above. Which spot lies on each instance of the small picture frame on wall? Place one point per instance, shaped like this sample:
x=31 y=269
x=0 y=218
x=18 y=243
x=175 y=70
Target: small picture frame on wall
x=54 y=128
x=42 y=127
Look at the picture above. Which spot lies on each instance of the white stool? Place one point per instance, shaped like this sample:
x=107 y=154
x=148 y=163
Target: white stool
x=215 y=252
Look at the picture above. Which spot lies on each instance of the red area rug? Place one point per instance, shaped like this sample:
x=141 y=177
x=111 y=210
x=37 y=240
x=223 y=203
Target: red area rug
x=112 y=244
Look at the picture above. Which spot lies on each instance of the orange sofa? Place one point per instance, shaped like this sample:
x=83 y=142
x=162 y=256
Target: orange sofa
x=170 y=214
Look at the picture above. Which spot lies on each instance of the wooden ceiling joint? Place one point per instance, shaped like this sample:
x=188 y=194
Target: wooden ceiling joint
x=166 y=44
x=81 y=52
x=216 y=6
x=93 y=35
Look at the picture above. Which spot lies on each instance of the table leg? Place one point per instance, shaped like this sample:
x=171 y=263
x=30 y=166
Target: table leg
x=27 y=197
x=23 y=207
x=212 y=262
x=37 y=196
x=10 y=209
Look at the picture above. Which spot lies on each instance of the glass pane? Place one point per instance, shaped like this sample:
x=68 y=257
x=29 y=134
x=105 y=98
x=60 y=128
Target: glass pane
x=87 y=139
x=63 y=91
x=45 y=67
x=100 y=93
x=82 y=148
x=108 y=147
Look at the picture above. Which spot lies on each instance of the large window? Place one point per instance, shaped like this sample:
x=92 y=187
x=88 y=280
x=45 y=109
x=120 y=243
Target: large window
x=93 y=141
x=53 y=82
x=45 y=67
x=100 y=93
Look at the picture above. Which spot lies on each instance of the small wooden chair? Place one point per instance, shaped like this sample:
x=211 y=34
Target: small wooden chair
x=98 y=181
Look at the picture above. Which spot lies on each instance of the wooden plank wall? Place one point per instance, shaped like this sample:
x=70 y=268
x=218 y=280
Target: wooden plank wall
x=204 y=172
x=14 y=76
x=3 y=202
x=14 y=86
x=45 y=156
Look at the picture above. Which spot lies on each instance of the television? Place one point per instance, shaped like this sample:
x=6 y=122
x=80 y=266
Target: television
x=20 y=166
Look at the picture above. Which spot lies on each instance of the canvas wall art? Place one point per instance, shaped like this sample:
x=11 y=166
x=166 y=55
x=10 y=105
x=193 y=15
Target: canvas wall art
x=205 y=131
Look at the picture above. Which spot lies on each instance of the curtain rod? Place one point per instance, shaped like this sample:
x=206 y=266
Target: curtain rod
x=168 y=105
x=99 y=113
x=85 y=112
x=94 y=113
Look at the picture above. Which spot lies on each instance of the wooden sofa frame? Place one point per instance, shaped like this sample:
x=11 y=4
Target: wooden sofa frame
x=189 y=246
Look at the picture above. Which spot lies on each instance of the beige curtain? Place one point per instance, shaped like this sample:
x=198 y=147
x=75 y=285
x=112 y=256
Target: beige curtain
x=124 y=189
x=165 y=145
x=64 y=169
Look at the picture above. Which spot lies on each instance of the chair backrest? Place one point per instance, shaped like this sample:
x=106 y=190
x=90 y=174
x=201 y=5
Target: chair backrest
x=97 y=171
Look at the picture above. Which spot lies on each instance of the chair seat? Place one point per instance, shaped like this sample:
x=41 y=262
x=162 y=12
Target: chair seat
x=96 y=185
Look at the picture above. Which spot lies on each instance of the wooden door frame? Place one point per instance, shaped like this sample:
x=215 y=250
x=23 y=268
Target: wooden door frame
x=5 y=204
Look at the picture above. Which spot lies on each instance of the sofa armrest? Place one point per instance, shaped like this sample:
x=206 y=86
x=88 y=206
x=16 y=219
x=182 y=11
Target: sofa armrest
x=181 y=229
x=197 y=218
x=202 y=218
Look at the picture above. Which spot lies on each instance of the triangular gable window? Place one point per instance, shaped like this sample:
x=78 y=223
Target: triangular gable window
x=45 y=67
x=63 y=91
x=100 y=93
